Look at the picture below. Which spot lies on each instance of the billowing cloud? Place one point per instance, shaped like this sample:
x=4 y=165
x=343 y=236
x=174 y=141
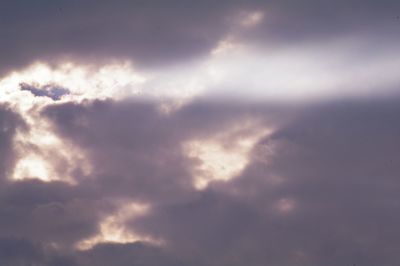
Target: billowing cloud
x=208 y=133
x=148 y=32
x=317 y=192
x=297 y=49
x=156 y=32
x=316 y=188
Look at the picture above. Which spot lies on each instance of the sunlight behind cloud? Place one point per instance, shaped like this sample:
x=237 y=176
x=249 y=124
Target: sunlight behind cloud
x=32 y=166
x=44 y=155
x=112 y=228
x=83 y=81
x=224 y=156
x=298 y=73
x=41 y=153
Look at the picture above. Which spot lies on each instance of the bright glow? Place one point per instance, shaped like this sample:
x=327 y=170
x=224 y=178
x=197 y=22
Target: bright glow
x=216 y=162
x=219 y=160
x=303 y=72
x=177 y=83
x=42 y=154
x=32 y=166
x=83 y=82
x=112 y=228
x=277 y=75
x=238 y=71
x=233 y=70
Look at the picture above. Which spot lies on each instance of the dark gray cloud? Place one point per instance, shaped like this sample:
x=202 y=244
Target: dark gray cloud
x=138 y=149
x=128 y=254
x=14 y=251
x=159 y=32
x=337 y=164
x=49 y=212
x=313 y=21
x=145 y=31
x=323 y=189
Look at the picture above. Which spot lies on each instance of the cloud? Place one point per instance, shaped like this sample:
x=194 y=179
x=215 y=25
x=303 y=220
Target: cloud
x=155 y=33
x=208 y=133
x=148 y=32
x=319 y=198
x=128 y=254
x=14 y=251
x=134 y=149
x=317 y=190
x=54 y=213
x=10 y=122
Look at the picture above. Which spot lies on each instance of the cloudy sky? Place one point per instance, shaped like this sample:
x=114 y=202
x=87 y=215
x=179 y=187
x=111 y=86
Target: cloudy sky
x=199 y=133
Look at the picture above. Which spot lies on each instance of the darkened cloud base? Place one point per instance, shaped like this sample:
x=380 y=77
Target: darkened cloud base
x=199 y=133
x=163 y=32
x=336 y=200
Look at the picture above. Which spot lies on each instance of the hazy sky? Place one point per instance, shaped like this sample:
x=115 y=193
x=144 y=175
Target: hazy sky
x=199 y=133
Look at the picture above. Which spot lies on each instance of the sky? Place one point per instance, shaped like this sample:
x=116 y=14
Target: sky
x=199 y=133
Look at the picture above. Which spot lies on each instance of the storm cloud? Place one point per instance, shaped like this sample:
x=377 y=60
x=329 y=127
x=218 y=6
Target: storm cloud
x=208 y=133
x=319 y=190
x=158 y=32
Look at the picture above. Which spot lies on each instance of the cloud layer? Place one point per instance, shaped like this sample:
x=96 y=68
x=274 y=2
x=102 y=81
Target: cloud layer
x=321 y=189
x=208 y=133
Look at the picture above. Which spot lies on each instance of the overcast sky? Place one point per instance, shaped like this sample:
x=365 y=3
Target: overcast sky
x=199 y=133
